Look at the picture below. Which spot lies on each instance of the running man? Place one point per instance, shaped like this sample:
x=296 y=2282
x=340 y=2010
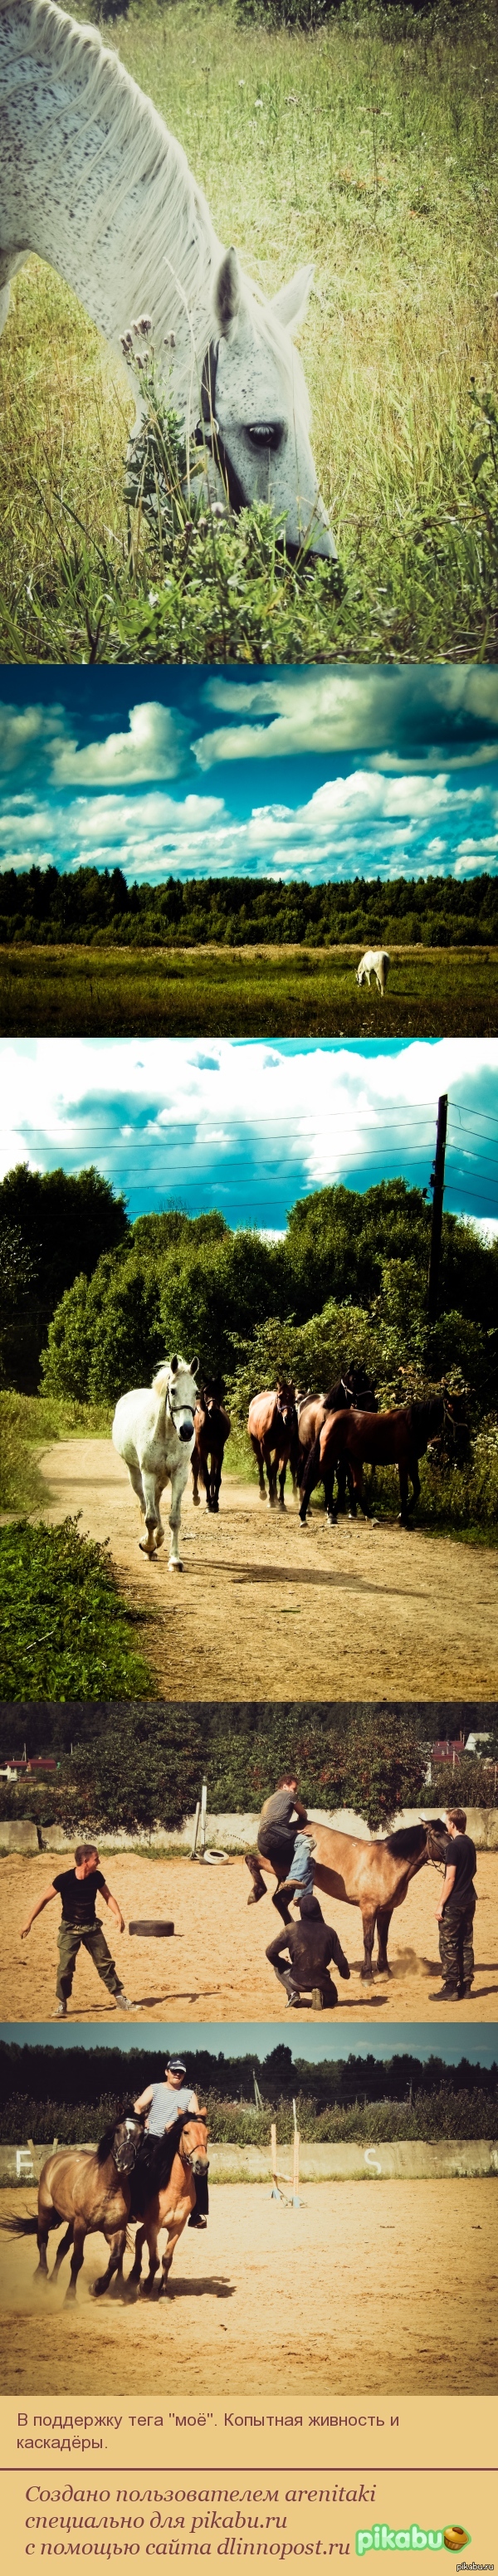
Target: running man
x=311 y=1945
x=78 y=1889
x=163 y=2104
x=456 y=1909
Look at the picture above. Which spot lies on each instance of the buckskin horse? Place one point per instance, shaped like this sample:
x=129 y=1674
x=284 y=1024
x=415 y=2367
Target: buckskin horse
x=90 y=2188
x=212 y=1428
x=171 y=2201
x=272 y=1424
x=395 y=1439
x=374 y=1875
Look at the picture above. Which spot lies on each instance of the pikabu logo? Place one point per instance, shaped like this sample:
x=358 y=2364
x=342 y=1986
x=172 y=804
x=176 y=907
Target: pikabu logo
x=382 y=2537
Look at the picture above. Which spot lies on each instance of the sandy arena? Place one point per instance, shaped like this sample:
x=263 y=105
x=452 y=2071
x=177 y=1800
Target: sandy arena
x=281 y=1613
x=274 y=2299
x=215 y=1969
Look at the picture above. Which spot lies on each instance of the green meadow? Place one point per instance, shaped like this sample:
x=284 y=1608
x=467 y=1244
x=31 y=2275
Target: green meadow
x=366 y=142
x=263 y=992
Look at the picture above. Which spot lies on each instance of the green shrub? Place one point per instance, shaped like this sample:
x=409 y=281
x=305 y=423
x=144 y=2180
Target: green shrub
x=65 y=1632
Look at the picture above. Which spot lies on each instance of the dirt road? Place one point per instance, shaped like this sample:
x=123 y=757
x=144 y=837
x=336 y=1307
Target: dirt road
x=336 y=2327
x=215 y=1968
x=265 y=1610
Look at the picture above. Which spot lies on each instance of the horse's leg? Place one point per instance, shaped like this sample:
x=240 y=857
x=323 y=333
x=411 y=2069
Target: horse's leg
x=148 y=1544
x=135 y=2275
x=383 y=1922
x=258 y=1453
x=135 y=1477
x=45 y=2209
x=76 y=2258
x=258 y=1883
x=358 y=1489
x=215 y=1484
x=117 y=2244
x=62 y=2249
x=151 y=2232
x=368 y=1942
x=312 y=1477
x=271 y=1470
x=281 y=1485
x=157 y=1499
x=404 y=1494
x=178 y=1482
x=328 y=1487
x=195 y=1465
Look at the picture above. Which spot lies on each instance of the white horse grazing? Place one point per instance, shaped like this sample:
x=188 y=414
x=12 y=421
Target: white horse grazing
x=91 y=180
x=153 y=1430
x=376 y=961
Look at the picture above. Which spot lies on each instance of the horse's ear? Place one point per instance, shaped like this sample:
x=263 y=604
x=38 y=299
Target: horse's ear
x=194 y=1364
x=291 y=302
x=174 y=1364
x=227 y=293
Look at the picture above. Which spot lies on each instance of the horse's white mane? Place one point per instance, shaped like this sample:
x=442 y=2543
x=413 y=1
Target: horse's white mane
x=174 y=253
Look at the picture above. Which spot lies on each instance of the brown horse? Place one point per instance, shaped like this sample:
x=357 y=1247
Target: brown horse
x=272 y=1423
x=88 y=2187
x=212 y=1428
x=392 y=1439
x=356 y=1387
x=373 y=1875
x=171 y=2204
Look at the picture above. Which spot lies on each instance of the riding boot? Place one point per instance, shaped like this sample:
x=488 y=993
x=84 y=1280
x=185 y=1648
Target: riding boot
x=466 y=1989
x=444 y=1993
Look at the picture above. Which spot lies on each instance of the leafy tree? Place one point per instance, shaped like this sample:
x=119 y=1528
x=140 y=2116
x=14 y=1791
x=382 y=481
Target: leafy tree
x=383 y=1770
x=54 y=1215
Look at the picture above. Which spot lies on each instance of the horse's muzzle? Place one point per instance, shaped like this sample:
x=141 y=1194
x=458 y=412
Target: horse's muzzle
x=186 y=1429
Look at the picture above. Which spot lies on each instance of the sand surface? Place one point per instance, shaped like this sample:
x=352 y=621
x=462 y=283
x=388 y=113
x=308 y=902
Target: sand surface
x=348 y=2292
x=215 y=1968
x=266 y=1610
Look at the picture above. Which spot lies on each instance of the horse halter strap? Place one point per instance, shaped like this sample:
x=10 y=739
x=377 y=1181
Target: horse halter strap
x=208 y=433
x=180 y=1408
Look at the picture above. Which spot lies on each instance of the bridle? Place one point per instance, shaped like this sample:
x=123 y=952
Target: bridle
x=176 y=1410
x=207 y=433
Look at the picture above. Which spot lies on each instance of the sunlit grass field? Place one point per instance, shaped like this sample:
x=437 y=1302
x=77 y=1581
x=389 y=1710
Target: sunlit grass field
x=230 y=993
x=375 y=154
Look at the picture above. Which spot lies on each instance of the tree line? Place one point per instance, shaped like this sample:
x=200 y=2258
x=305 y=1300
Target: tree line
x=91 y=905
x=89 y=1303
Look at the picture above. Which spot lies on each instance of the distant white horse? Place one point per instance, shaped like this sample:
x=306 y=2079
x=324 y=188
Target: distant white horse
x=376 y=961
x=91 y=180
x=153 y=1430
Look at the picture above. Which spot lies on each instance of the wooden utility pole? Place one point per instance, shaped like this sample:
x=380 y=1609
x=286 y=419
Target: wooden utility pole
x=437 y=1187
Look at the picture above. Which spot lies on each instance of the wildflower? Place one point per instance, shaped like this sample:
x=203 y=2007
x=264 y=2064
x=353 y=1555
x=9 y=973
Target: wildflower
x=126 y=342
x=170 y=340
x=153 y=598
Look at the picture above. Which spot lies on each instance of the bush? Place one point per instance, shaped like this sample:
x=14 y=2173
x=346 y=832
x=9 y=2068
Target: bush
x=65 y=1631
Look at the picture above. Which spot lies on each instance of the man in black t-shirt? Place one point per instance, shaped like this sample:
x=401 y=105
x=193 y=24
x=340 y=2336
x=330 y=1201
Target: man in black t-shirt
x=311 y=1944
x=455 y=1912
x=78 y=1889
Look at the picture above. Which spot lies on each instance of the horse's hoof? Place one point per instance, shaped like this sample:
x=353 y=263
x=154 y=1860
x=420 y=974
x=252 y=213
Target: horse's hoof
x=175 y=1565
x=196 y=1501
x=256 y=1895
x=145 y=1550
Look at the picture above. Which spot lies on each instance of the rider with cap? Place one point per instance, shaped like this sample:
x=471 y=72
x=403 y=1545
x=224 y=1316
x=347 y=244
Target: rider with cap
x=163 y=2105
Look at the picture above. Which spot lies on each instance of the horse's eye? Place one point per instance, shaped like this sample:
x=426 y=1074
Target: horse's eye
x=265 y=433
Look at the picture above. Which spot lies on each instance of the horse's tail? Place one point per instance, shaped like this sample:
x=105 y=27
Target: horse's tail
x=23 y=2226
x=312 y=1474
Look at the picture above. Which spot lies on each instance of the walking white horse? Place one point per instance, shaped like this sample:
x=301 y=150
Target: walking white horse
x=153 y=1430
x=92 y=181
x=376 y=961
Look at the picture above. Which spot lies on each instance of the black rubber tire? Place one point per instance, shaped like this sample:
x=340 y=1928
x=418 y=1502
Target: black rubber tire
x=149 y=1931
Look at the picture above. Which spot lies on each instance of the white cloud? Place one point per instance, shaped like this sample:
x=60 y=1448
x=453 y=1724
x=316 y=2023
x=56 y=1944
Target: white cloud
x=246 y=1126
x=154 y=746
x=387 y=714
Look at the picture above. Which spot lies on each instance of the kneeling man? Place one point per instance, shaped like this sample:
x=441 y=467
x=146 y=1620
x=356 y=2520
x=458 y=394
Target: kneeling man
x=311 y=1945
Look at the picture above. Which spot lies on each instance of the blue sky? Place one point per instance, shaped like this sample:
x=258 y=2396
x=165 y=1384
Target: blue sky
x=257 y=2039
x=249 y=1127
x=314 y=772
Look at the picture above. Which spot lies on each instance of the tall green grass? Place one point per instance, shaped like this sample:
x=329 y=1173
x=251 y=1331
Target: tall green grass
x=369 y=144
